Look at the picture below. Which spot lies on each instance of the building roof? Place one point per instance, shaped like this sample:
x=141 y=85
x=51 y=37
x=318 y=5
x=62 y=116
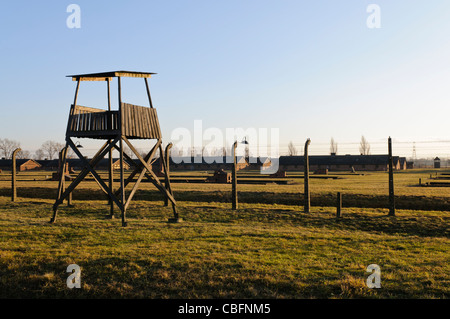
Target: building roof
x=338 y=160
x=205 y=160
x=76 y=162
x=103 y=75
x=8 y=162
x=259 y=160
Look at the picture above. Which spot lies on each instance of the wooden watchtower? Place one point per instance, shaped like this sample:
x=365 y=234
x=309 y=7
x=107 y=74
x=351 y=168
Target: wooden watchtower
x=116 y=127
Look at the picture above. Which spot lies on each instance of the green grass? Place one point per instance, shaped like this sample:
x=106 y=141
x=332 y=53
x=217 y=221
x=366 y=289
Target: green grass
x=261 y=251
x=264 y=250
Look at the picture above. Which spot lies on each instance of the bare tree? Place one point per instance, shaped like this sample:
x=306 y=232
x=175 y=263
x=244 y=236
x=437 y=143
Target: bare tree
x=333 y=147
x=39 y=154
x=7 y=147
x=23 y=154
x=364 y=146
x=292 y=151
x=51 y=148
x=205 y=151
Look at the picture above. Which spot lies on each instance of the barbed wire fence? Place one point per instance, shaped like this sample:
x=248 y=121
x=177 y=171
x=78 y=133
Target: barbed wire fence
x=422 y=153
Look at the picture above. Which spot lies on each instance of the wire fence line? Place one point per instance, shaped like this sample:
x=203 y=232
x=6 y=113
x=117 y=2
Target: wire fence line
x=423 y=150
x=412 y=150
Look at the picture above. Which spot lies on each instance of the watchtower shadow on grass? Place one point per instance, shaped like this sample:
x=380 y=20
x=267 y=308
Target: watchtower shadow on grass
x=422 y=226
x=437 y=203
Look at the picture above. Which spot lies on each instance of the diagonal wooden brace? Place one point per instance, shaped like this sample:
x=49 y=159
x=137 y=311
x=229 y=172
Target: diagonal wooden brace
x=154 y=179
x=138 y=166
x=100 y=154
x=145 y=170
x=90 y=168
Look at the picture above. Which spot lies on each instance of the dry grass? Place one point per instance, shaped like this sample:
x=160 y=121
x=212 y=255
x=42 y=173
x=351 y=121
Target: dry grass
x=263 y=250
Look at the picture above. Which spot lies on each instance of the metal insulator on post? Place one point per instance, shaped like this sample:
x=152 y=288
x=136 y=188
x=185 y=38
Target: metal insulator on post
x=307 y=195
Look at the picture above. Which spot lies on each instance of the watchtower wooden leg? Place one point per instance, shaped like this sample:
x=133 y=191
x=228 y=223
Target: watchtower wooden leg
x=122 y=185
x=167 y=172
x=168 y=188
x=61 y=183
x=111 y=182
x=110 y=166
x=63 y=164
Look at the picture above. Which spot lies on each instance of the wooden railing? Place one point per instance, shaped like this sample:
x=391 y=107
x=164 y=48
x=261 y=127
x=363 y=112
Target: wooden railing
x=90 y=122
x=137 y=122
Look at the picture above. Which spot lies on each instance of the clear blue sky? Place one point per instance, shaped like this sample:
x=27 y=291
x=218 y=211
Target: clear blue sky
x=310 y=68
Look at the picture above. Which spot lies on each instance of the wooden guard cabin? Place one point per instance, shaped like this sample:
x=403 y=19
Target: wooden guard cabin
x=116 y=127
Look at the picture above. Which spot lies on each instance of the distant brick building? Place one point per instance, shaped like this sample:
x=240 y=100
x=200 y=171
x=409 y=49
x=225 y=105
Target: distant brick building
x=116 y=165
x=259 y=163
x=409 y=165
x=437 y=162
x=21 y=164
x=342 y=163
x=207 y=163
x=220 y=176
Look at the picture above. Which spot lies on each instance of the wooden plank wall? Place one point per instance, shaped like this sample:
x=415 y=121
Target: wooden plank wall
x=140 y=122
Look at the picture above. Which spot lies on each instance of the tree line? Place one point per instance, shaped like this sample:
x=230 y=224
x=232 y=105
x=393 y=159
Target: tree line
x=48 y=150
x=364 y=147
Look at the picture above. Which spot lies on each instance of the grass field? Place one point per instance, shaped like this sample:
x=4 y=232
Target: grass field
x=268 y=248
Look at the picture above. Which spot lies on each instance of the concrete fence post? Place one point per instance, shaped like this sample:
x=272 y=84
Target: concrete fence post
x=391 y=180
x=307 y=198
x=13 y=175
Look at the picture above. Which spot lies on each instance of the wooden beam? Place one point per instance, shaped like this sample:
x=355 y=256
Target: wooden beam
x=110 y=156
x=87 y=109
x=83 y=78
x=72 y=107
x=103 y=75
x=135 y=187
x=148 y=93
x=122 y=185
x=168 y=188
x=167 y=172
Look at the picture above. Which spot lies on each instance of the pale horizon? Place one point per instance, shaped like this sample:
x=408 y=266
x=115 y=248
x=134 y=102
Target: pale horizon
x=312 y=70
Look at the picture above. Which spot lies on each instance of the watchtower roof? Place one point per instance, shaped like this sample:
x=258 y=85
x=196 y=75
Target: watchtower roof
x=102 y=76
